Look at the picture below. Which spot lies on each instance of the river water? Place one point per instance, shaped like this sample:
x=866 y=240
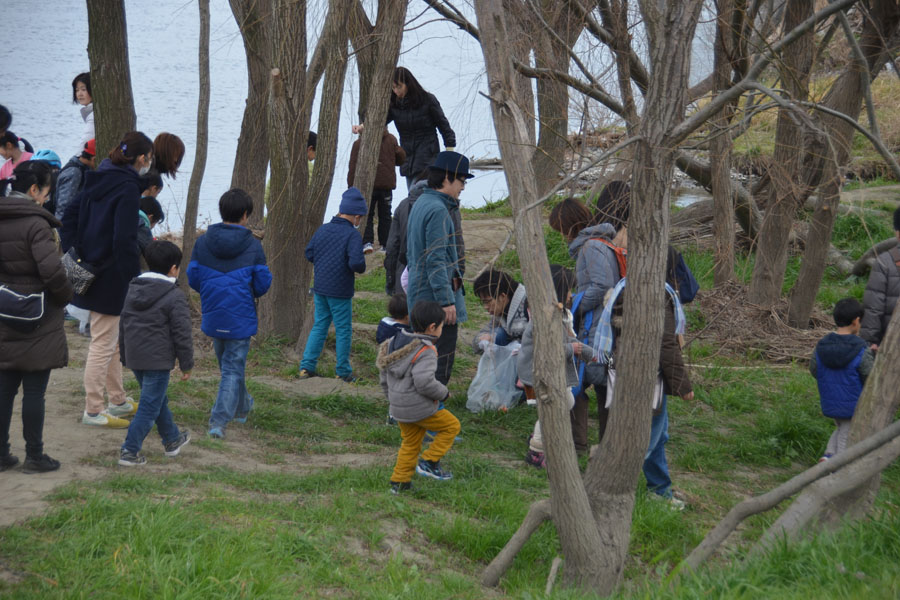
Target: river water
x=47 y=47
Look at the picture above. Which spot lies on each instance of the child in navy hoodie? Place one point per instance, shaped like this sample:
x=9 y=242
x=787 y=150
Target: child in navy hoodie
x=154 y=330
x=336 y=253
x=228 y=268
x=841 y=363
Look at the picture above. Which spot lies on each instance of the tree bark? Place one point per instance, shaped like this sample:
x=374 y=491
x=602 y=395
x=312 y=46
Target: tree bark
x=537 y=514
x=296 y=206
x=568 y=500
x=612 y=474
x=251 y=159
x=382 y=49
x=193 y=197
x=786 y=194
x=845 y=96
x=720 y=145
x=110 y=73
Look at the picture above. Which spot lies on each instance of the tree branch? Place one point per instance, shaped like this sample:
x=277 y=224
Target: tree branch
x=787 y=489
x=596 y=93
x=454 y=16
x=696 y=120
x=537 y=514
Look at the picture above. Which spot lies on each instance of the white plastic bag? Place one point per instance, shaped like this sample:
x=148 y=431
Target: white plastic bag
x=494 y=385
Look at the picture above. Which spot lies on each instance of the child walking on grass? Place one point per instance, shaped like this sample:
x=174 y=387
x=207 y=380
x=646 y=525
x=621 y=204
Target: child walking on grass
x=154 y=330
x=407 y=363
x=563 y=282
x=841 y=363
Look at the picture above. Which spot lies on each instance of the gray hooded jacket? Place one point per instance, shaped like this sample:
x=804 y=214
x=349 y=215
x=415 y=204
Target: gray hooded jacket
x=881 y=296
x=596 y=270
x=407 y=363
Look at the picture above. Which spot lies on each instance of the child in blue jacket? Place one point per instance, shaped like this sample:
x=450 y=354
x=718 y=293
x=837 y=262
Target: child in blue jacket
x=228 y=268
x=841 y=363
x=336 y=253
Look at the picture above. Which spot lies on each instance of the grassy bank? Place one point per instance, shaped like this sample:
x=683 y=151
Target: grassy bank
x=312 y=516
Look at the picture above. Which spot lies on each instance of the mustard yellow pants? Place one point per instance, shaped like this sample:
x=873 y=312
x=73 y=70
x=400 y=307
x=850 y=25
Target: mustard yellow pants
x=445 y=426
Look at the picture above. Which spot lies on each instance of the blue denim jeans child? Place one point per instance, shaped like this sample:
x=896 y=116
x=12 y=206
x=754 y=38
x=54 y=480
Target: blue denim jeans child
x=656 y=469
x=153 y=408
x=233 y=399
x=328 y=309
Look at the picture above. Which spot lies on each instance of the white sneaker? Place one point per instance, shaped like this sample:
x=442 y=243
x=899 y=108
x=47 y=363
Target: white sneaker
x=104 y=420
x=368 y=248
x=126 y=409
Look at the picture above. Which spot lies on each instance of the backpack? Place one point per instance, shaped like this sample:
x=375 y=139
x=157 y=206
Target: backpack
x=621 y=254
x=687 y=284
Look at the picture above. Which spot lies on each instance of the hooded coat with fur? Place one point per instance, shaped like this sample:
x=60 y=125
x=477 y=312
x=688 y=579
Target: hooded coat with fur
x=407 y=363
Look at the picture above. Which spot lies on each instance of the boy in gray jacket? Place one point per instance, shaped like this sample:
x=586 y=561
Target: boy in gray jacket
x=154 y=330
x=408 y=363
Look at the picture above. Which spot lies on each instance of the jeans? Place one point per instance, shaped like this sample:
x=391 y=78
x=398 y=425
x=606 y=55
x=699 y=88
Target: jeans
x=656 y=469
x=446 y=350
x=153 y=408
x=328 y=309
x=381 y=201
x=233 y=398
x=34 y=384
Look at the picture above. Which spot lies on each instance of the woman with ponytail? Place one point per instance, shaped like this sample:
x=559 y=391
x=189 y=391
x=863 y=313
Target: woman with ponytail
x=9 y=149
x=101 y=225
x=30 y=264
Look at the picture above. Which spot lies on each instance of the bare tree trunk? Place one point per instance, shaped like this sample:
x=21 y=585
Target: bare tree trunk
x=845 y=96
x=376 y=74
x=193 y=197
x=295 y=212
x=568 y=500
x=552 y=51
x=521 y=28
x=720 y=149
x=786 y=195
x=110 y=73
x=251 y=159
x=612 y=474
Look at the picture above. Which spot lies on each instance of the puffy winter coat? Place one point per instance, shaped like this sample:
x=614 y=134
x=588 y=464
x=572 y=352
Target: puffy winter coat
x=228 y=268
x=596 y=271
x=431 y=252
x=390 y=156
x=407 y=364
x=881 y=296
x=155 y=327
x=418 y=137
x=841 y=364
x=101 y=223
x=30 y=264
x=336 y=253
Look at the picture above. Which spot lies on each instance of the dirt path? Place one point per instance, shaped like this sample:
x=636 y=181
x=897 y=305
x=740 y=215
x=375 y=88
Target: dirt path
x=91 y=453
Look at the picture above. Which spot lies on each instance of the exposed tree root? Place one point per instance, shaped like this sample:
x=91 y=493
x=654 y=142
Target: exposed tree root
x=537 y=514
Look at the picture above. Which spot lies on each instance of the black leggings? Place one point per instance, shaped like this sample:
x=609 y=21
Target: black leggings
x=34 y=384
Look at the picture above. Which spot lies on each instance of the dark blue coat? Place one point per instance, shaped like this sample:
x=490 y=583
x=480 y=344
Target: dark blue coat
x=101 y=222
x=335 y=251
x=228 y=268
x=838 y=359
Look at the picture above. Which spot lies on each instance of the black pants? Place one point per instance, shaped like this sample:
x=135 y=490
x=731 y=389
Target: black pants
x=381 y=201
x=446 y=349
x=34 y=384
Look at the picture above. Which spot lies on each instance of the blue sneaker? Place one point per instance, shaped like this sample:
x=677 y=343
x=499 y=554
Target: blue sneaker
x=241 y=419
x=217 y=433
x=427 y=468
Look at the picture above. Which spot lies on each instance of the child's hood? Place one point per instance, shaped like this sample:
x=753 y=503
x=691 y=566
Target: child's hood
x=144 y=292
x=603 y=230
x=225 y=240
x=836 y=351
x=396 y=354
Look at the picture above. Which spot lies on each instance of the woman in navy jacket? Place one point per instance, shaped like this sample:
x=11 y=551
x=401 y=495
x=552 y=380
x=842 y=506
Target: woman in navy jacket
x=101 y=224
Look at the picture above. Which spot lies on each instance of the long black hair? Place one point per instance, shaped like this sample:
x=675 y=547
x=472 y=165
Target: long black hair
x=415 y=94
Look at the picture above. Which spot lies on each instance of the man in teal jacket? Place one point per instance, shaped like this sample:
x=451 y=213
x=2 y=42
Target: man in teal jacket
x=432 y=260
